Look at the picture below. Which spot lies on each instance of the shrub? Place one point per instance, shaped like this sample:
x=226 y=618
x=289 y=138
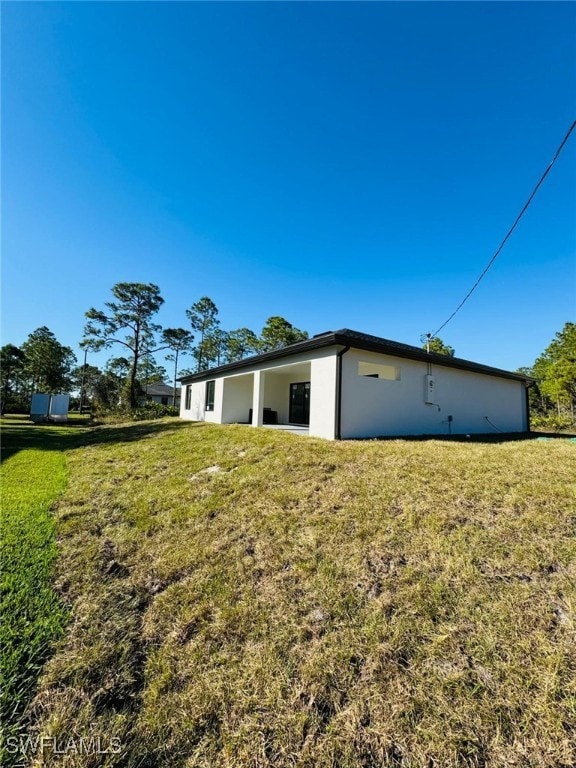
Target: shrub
x=148 y=410
x=553 y=422
x=151 y=410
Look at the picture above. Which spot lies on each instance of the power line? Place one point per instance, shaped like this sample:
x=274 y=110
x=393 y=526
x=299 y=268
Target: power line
x=512 y=228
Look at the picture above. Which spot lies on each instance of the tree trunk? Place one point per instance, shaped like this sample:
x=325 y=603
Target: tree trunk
x=201 y=351
x=175 y=374
x=132 y=394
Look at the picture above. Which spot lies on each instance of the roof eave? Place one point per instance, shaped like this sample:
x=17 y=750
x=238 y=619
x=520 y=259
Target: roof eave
x=354 y=341
x=431 y=357
x=316 y=342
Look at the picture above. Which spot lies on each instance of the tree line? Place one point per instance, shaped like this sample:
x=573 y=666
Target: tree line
x=126 y=323
x=553 y=397
x=41 y=364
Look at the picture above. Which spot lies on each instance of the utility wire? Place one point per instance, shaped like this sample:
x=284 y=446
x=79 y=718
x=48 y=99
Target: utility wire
x=512 y=228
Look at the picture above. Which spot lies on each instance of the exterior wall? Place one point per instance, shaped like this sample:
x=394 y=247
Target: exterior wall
x=237 y=398
x=323 y=396
x=277 y=394
x=377 y=407
x=197 y=400
x=197 y=410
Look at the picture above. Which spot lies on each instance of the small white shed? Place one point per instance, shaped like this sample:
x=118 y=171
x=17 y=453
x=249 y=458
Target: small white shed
x=346 y=384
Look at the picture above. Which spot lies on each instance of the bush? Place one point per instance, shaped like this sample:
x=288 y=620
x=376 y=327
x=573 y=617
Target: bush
x=148 y=410
x=553 y=422
x=15 y=404
x=151 y=410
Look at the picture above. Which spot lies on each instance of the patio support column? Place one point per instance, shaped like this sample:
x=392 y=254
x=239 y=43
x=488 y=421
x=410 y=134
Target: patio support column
x=258 y=399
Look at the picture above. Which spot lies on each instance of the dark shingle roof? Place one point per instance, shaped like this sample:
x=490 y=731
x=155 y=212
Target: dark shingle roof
x=160 y=389
x=357 y=340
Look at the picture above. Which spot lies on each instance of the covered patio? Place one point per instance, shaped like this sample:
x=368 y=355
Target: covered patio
x=294 y=429
x=275 y=397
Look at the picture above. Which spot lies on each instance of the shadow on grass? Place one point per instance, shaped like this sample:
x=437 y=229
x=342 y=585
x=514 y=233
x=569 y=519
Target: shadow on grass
x=19 y=433
x=491 y=437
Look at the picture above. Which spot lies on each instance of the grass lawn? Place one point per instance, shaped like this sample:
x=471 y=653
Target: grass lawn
x=33 y=474
x=244 y=597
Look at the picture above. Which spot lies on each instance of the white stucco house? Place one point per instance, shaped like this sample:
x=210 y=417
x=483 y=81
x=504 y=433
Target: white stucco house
x=346 y=384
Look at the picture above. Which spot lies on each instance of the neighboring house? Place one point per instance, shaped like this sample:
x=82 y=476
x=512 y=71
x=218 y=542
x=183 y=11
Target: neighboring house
x=345 y=384
x=162 y=393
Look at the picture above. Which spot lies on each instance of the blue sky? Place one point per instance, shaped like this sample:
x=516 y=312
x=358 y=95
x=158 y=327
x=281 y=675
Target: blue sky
x=339 y=164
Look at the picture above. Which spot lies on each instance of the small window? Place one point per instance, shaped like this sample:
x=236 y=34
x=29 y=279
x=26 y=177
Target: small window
x=210 y=391
x=188 y=396
x=379 y=371
x=164 y=401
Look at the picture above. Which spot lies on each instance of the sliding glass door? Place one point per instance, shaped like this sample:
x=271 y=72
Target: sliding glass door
x=300 y=403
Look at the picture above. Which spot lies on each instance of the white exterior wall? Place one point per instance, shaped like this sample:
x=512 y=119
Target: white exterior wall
x=197 y=400
x=378 y=407
x=197 y=411
x=323 y=396
x=237 y=398
x=277 y=394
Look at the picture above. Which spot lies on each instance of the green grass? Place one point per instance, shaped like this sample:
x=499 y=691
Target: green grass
x=244 y=597
x=33 y=475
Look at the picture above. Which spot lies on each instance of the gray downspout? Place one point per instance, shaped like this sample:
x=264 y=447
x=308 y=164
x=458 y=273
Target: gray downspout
x=339 y=392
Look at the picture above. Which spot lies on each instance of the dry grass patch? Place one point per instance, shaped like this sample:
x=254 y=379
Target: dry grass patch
x=317 y=604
